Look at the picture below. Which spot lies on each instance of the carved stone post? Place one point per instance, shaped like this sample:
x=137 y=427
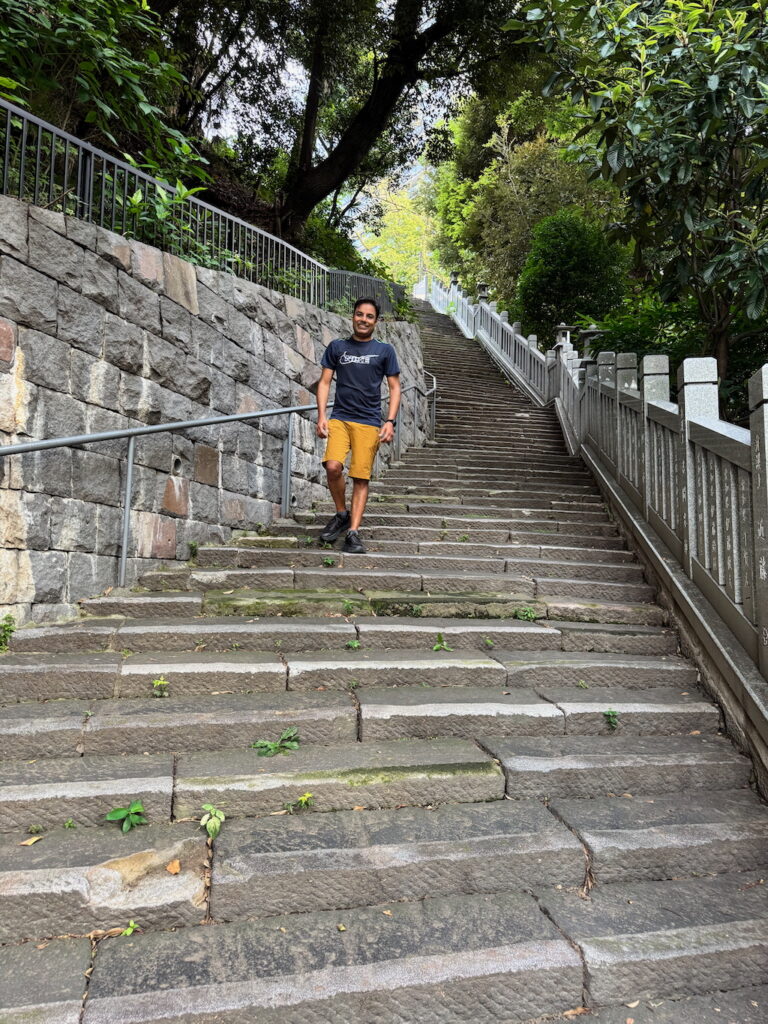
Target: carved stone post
x=697 y=397
x=758 y=425
x=606 y=421
x=626 y=378
x=654 y=387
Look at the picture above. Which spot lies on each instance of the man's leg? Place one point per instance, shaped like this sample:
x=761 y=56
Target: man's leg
x=337 y=485
x=359 y=500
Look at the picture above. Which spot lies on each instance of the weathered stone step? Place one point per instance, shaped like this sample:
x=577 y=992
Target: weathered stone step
x=583 y=671
x=657 y=837
x=253 y=558
x=739 y=1006
x=656 y=940
x=485 y=958
x=339 y=777
x=420 y=712
x=180 y=723
x=627 y=572
x=592 y=766
x=129 y=603
x=460 y=634
x=48 y=792
x=356 y=858
x=548 y=587
x=58 y=676
x=611 y=638
x=661 y=711
x=489 y=529
x=76 y=880
x=394 y=668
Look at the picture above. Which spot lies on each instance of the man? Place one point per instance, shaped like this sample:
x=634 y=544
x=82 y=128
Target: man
x=360 y=364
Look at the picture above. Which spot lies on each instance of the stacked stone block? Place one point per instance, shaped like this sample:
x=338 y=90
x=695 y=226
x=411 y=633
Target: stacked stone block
x=99 y=332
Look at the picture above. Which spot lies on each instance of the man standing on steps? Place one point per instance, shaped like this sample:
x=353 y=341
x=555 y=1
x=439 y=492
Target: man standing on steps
x=360 y=364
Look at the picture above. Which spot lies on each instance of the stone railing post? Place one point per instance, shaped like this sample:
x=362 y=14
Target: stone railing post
x=758 y=426
x=606 y=378
x=626 y=379
x=654 y=387
x=590 y=417
x=696 y=396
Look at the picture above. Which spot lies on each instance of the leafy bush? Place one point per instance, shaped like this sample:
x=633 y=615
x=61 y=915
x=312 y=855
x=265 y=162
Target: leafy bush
x=570 y=271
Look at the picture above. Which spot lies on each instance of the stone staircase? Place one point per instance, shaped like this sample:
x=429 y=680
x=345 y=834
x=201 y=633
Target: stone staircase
x=528 y=809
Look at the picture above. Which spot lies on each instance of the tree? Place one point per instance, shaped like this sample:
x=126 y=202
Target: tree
x=571 y=271
x=76 y=64
x=403 y=241
x=677 y=95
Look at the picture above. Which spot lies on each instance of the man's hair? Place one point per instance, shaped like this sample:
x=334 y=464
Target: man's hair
x=368 y=302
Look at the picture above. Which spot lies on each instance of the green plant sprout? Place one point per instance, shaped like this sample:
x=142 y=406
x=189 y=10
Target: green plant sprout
x=611 y=719
x=488 y=642
x=289 y=740
x=524 y=612
x=130 y=928
x=347 y=607
x=130 y=816
x=464 y=537
x=7 y=629
x=193 y=547
x=441 y=645
x=352 y=645
x=353 y=684
x=583 y=684
x=329 y=562
x=211 y=820
x=35 y=830
x=69 y=823
x=160 y=687
x=302 y=803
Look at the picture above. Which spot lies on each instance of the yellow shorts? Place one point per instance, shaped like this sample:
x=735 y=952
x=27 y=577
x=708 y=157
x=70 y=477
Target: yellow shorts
x=361 y=439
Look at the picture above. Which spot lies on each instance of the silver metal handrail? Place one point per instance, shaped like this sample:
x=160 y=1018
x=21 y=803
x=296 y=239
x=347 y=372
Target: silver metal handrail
x=131 y=433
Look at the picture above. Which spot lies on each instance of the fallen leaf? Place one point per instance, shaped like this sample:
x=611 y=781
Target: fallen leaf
x=31 y=841
x=387 y=912
x=273 y=813
x=44 y=944
x=283 y=930
x=630 y=1020
x=227 y=591
x=628 y=796
x=341 y=927
x=695 y=732
x=631 y=1006
x=360 y=808
x=578 y=1012
x=173 y=867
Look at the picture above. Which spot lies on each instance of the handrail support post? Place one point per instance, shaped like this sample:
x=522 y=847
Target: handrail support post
x=758 y=427
x=127 y=494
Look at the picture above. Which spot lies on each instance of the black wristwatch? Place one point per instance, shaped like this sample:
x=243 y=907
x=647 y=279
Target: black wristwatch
x=393 y=422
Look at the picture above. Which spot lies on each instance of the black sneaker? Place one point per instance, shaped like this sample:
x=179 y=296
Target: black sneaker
x=353 y=545
x=335 y=527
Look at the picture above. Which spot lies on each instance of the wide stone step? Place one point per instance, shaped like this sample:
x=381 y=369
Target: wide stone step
x=657 y=837
x=592 y=766
x=338 y=777
x=612 y=638
x=572 y=570
x=656 y=940
x=488 y=529
x=128 y=603
x=48 y=792
x=583 y=671
x=345 y=859
x=223 y=720
x=420 y=712
x=740 y=1006
x=394 y=668
x=459 y=634
x=660 y=711
x=76 y=880
x=603 y=590
x=478 y=957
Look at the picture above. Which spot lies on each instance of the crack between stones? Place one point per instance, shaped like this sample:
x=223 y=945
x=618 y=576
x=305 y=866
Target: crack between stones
x=589 y=878
x=174 y=767
x=574 y=946
x=88 y=973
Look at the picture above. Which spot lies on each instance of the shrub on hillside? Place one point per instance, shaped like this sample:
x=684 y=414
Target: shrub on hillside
x=571 y=271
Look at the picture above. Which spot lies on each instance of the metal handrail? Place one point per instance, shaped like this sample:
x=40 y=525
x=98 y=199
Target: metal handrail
x=131 y=433
x=41 y=164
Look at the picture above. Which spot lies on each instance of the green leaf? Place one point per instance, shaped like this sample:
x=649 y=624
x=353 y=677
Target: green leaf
x=117 y=814
x=713 y=81
x=127 y=824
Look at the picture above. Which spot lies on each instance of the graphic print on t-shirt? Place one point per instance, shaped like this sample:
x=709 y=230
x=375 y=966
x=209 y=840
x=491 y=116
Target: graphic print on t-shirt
x=360 y=367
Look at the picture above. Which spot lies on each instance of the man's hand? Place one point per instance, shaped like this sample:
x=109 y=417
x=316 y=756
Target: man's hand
x=387 y=432
x=322 y=427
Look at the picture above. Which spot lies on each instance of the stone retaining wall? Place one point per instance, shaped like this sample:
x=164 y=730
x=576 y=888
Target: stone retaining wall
x=97 y=333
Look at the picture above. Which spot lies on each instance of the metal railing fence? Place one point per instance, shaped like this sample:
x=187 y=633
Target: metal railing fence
x=699 y=482
x=45 y=166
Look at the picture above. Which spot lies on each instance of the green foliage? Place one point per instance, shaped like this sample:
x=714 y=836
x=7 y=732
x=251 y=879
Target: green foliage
x=675 y=99
x=70 y=823
x=352 y=645
x=488 y=642
x=130 y=928
x=35 y=830
x=301 y=803
x=524 y=612
x=212 y=820
x=7 y=629
x=288 y=741
x=571 y=270
x=160 y=687
x=130 y=816
x=583 y=684
x=193 y=549
x=100 y=63
x=329 y=562
x=347 y=607
x=441 y=645
x=611 y=719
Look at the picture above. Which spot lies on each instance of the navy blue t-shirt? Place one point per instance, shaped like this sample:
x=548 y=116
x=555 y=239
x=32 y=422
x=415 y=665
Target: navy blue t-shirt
x=360 y=367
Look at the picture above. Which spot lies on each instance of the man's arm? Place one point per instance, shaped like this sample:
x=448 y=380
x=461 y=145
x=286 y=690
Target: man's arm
x=323 y=390
x=387 y=431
